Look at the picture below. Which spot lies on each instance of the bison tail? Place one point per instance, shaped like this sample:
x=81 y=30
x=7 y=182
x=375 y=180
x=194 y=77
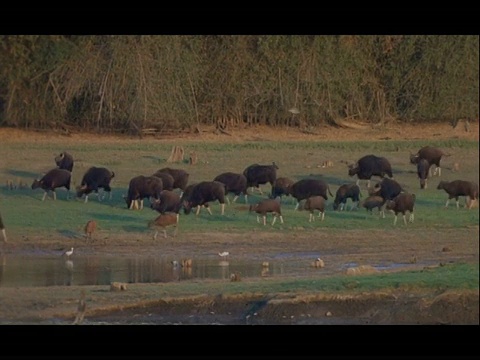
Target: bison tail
x=328 y=188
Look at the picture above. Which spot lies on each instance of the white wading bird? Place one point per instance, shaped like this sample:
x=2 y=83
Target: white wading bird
x=68 y=253
x=224 y=254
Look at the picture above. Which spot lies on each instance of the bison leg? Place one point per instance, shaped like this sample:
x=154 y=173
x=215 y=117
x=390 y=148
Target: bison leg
x=44 y=196
x=281 y=219
x=228 y=200
x=258 y=219
x=395 y=220
x=165 y=233
x=4 y=235
x=274 y=219
x=457 y=203
x=411 y=218
x=155 y=235
x=404 y=219
x=448 y=201
x=296 y=207
x=323 y=215
x=210 y=211
x=311 y=216
x=198 y=210
x=264 y=220
x=86 y=199
x=223 y=208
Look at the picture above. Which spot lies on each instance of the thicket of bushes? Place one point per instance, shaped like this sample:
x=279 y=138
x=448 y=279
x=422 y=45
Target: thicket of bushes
x=124 y=83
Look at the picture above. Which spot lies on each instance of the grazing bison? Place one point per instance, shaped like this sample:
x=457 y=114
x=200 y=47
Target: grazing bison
x=64 y=161
x=305 y=188
x=180 y=177
x=167 y=180
x=234 y=183
x=281 y=187
x=458 y=188
x=388 y=189
x=432 y=155
x=423 y=168
x=372 y=202
x=344 y=192
x=370 y=165
x=141 y=187
x=55 y=178
x=94 y=179
x=169 y=201
x=260 y=174
x=203 y=193
x=401 y=204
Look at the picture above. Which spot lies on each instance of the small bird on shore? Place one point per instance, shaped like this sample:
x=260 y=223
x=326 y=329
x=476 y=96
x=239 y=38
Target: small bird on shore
x=69 y=253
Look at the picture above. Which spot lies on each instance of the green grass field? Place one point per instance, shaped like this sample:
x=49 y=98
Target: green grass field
x=24 y=212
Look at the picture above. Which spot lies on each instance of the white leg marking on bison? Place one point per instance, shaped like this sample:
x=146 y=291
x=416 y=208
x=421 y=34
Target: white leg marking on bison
x=457 y=203
x=281 y=219
x=274 y=219
x=404 y=219
x=323 y=215
x=223 y=209
x=411 y=218
x=395 y=220
x=264 y=220
x=310 y=217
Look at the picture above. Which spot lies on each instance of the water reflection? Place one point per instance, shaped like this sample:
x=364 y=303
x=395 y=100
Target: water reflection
x=25 y=271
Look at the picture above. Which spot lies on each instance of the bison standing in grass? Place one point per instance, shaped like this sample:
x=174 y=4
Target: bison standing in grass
x=457 y=188
x=267 y=206
x=370 y=165
x=345 y=192
x=401 y=204
x=55 y=178
x=432 y=155
x=203 y=193
x=94 y=179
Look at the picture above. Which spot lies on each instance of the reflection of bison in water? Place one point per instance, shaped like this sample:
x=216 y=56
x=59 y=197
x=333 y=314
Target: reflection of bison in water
x=368 y=166
x=432 y=155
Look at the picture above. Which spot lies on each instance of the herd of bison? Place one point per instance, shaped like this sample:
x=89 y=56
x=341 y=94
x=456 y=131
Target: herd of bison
x=169 y=189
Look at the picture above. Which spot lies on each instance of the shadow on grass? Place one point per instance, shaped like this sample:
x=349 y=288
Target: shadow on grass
x=23 y=174
x=69 y=234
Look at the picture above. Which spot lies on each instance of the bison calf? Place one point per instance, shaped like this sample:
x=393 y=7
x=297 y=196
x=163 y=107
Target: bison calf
x=315 y=203
x=458 y=188
x=162 y=221
x=401 y=204
x=344 y=192
x=267 y=206
x=372 y=202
